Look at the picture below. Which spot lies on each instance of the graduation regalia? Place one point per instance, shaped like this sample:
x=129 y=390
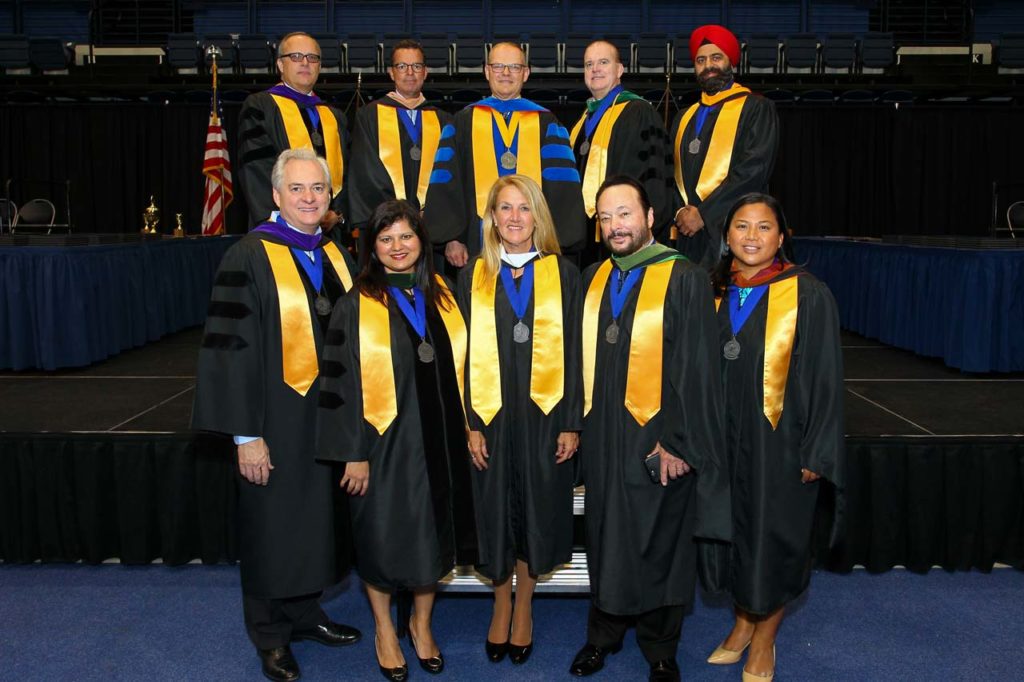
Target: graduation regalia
x=622 y=134
x=416 y=520
x=734 y=154
x=280 y=118
x=773 y=511
x=469 y=160
x=383 y=166
x=251 y=381
x=524 y=500
x=659 y=382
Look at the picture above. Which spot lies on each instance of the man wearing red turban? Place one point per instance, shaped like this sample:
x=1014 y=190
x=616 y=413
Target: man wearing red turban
x=723 y=146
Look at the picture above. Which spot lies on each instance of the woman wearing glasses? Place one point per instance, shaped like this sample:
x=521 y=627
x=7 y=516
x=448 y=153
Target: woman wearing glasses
x=523 y=402
x=391 y=408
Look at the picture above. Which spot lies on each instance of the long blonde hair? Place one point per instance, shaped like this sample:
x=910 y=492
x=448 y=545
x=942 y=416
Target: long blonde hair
x=545 y=239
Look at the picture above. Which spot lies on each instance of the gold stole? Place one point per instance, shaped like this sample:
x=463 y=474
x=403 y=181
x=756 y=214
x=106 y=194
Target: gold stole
x=298 y=347
x=723 y=137
x=298 y=135
x=779 y=335
x=547 y=370
x=485 y=157
x=390 y=148
x=644 y=373
x=376 y=367
x=597 y=158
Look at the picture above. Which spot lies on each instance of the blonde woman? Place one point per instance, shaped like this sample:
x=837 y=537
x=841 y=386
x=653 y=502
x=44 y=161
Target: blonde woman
x=520 y=299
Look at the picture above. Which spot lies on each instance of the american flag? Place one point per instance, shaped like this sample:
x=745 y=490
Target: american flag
x=217 y=169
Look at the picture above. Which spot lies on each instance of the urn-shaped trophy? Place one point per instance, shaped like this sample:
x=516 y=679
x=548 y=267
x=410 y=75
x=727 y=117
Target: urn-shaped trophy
x=150 y=217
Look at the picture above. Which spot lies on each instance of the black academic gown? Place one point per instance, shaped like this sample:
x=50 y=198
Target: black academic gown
x=524 y=500
x=750 y=167
x=639 y=147
x=369 y=184
x=641 y=551
x=450 y=213
x=416 y=520
x=286 y=528
x=261 y=139
x=773 y=511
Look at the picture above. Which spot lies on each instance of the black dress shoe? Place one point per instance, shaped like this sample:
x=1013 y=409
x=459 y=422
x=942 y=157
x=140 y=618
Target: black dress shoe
x=519 y=654
x=496 y=652
x=279 y=664
x=590 y=659
x=331 y=634
x=433 y=665
x=664 y=671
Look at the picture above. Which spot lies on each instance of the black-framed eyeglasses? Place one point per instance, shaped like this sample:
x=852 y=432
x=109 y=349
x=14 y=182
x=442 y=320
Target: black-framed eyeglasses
x=499 y=67
x=402 y=67
x=297 y=57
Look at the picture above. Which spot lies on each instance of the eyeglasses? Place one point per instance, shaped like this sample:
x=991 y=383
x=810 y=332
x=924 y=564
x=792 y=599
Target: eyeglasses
x=402 y=67
x=297 y=57
x=499 y=67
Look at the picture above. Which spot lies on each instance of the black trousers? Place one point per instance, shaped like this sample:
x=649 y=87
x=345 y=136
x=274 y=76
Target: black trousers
x=272 y=622
x=657 y=631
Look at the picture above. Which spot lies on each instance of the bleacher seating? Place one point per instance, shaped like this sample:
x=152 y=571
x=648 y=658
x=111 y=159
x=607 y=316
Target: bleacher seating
x=361 y=53
x=652 y=53
x=227 y=62
x=49 y=55
x=839 y=53
x=800 y=53
x=1009 y=53
x=254 y=53
x=331 y=59
x=14 y=54
x=469 y=53
x=877 y=52
x=543 y=52
x=182 y=53
x=762 y=53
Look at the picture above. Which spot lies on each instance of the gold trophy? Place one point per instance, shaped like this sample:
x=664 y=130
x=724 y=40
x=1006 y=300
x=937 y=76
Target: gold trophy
x=150 y=217
x=179 y=231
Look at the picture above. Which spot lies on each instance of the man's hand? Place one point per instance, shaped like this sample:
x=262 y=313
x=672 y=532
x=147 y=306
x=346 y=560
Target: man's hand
x=456 y=253
x=478 y=450
x=568 y=444
x=689 y=221
x=330 y=219
x=672 y=467
x=356 y=479
x=808 y=476
x=254 y=461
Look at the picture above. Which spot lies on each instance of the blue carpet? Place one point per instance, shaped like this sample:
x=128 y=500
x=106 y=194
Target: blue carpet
x=117 y=622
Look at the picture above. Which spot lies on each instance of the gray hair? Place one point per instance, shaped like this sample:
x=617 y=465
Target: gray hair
x=301 y=154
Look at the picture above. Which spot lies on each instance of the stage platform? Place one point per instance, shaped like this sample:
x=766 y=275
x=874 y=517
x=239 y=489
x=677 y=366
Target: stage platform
x=97 y=463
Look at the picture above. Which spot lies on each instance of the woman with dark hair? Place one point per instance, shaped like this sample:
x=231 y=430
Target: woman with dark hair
x=391 y=408
x=523 y=401
x=783 y=374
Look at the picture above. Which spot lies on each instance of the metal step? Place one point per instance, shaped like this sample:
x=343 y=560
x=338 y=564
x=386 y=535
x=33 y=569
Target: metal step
x=571 y=578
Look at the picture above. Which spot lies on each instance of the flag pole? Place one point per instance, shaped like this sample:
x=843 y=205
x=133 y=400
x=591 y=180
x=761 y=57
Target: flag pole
x=215 y=114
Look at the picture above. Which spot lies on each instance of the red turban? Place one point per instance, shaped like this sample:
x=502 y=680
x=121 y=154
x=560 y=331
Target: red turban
x=721 y=37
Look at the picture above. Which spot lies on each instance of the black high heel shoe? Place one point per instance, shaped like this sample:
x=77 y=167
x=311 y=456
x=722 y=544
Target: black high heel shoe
x=496 y=652
x=399 y=674
x=519 y=654
x=433 y=665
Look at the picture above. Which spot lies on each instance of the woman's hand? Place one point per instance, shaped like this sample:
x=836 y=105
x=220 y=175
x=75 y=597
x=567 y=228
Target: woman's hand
x=356 y=479
x=478 y=450
x=808 y=476
x=568 y=444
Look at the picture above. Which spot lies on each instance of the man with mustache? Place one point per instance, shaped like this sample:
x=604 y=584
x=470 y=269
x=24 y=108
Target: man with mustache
x=652 y=440
x=723 y=146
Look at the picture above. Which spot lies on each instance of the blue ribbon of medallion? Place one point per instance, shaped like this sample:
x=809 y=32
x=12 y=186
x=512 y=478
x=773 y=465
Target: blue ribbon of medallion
x=519 y=298
x=413 y=126
x=742 y=305
x=591 y=123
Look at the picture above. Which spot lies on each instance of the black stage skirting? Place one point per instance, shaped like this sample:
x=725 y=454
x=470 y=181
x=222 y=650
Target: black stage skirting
x=950 y=502
x=72 y=306
x=962 y=305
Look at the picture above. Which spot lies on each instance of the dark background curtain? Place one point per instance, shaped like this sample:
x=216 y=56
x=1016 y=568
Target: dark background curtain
x=841 y=170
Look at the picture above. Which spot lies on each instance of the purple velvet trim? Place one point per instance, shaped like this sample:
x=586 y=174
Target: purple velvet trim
x=300 y=240
x=305 y=100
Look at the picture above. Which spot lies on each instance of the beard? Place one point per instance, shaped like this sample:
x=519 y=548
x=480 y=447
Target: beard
x=642 y=240
x=713 y=79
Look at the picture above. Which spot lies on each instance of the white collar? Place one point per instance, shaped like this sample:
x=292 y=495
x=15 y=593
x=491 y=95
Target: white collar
x=516 y=260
